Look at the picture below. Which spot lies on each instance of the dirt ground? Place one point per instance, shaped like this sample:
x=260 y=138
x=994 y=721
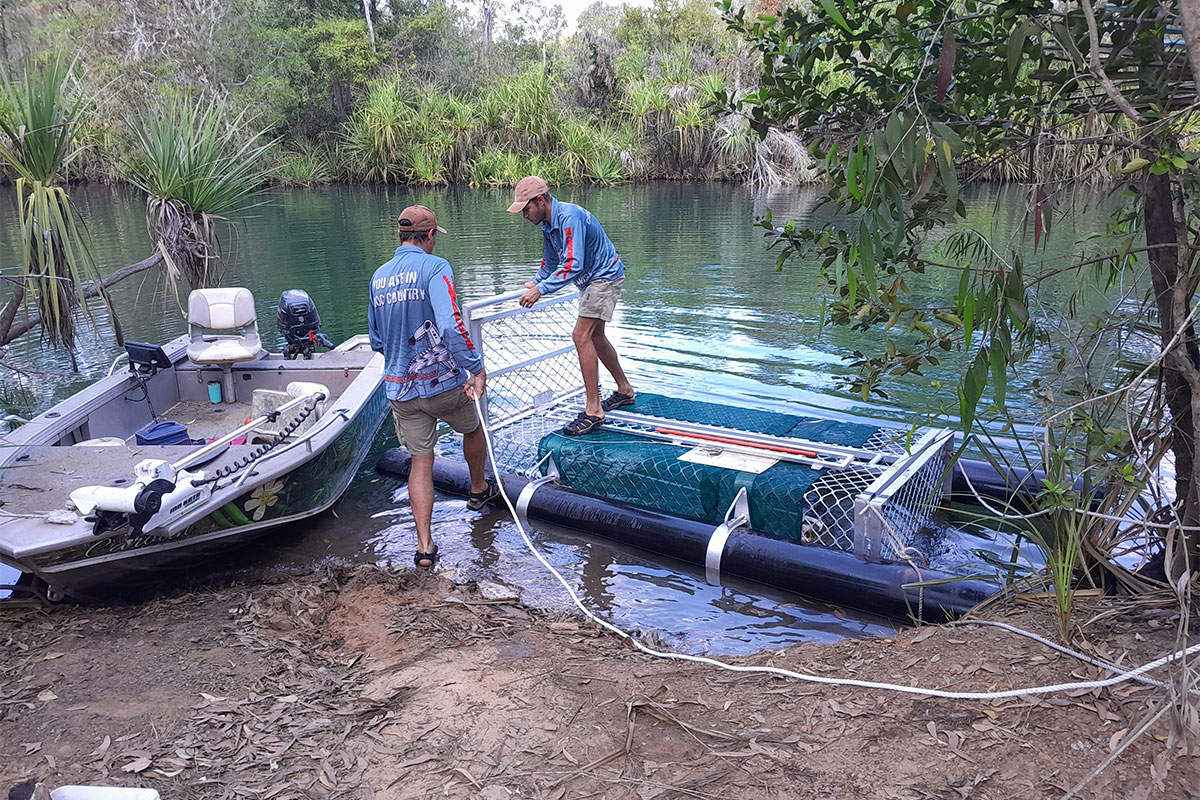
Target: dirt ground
x=370 y=683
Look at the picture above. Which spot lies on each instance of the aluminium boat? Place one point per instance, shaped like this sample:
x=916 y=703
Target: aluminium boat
x=201 y=443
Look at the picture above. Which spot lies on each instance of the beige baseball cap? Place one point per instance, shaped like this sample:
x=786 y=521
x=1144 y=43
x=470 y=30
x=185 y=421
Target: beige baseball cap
x=416 y=219
x=526 y=190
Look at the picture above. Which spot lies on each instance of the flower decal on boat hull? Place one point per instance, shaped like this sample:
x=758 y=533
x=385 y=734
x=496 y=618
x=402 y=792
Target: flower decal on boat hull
x=263 y=498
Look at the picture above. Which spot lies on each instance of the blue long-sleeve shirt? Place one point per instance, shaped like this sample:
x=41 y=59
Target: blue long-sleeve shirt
x=575 y=249
x=414 y=320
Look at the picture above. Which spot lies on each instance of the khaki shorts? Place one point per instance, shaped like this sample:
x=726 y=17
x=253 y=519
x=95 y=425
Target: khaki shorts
x=599 y=299
x=416 y=420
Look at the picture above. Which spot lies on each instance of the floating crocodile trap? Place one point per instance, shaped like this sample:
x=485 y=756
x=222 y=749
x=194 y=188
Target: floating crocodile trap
x=849 y=486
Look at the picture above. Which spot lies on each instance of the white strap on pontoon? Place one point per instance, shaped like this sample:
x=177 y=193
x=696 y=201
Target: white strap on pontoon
x=737 y=516
x=531 y=487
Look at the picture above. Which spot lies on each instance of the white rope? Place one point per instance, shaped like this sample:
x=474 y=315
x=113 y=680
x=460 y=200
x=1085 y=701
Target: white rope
x=16 y=515
x=1096 y=662
x=1121 y=677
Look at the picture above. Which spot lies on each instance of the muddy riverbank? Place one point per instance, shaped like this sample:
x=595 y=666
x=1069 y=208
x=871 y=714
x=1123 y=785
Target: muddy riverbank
x=391 y=684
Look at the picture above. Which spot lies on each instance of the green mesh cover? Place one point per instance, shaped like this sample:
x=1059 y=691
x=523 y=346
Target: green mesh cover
x=649 y=474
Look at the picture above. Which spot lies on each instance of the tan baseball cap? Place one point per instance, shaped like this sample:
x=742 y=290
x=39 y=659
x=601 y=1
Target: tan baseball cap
x=527 y=189
x=416 y=219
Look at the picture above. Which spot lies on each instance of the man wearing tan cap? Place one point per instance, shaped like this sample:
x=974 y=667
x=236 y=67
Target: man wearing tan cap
x=575 y=249
x=414 y=320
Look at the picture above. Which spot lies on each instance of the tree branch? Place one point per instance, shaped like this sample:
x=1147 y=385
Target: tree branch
x=93 y=289
x=10 y=311
x=1097 y=69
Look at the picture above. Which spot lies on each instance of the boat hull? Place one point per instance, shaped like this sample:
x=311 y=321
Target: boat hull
x=94 y=568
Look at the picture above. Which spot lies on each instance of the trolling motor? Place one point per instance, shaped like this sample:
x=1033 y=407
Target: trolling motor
x=158 y=493
x=300 y=324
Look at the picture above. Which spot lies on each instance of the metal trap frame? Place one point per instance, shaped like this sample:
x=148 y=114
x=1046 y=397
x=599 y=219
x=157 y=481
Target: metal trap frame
x=871 y=500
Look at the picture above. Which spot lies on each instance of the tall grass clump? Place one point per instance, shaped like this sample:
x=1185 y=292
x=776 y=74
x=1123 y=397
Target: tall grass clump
x=495 y=167
x=528 y=113
x=196 y=162
x=376 y=134
x=40 y=115
x=303 y=166
x=668 y=124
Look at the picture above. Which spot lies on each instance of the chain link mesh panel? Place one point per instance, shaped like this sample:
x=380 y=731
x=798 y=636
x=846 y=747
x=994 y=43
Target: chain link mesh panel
x=829 y=520
x=534 y=387
x=915 y=503
x=532 y=370
x=891 y=441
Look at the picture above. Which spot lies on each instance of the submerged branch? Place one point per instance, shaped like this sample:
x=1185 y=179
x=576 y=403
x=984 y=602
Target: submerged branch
x=11 y=330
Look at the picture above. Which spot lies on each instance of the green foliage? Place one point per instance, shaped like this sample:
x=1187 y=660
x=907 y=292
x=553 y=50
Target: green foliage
x=304 y=166
x=606 y=169
x=904 y=101
x=39 y=117
x=493 y=167
x=341 y=50
x=196 y=161
x=377 y=133
x=921 y=91
x=307 y=73
x=200 y=154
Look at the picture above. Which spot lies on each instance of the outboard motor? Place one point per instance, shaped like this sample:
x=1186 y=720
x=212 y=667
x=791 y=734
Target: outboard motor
x=300 y=324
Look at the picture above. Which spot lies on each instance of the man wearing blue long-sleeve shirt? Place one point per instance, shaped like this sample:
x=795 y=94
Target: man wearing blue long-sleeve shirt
x=414 y=320
x=576 y=249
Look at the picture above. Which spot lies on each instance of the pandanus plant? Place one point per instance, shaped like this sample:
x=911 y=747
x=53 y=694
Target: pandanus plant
x=39 y=116
x=196 y=162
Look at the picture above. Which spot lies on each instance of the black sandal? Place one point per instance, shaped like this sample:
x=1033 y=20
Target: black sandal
x=477 y=500
x=617 y=400
x=431 y=557
x=584 y=423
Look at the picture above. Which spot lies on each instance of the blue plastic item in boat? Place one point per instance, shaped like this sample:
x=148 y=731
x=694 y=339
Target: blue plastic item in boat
x=164 y=432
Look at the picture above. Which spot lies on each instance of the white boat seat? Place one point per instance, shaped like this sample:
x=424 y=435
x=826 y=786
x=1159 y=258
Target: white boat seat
x=221 y=351
x=211 y=311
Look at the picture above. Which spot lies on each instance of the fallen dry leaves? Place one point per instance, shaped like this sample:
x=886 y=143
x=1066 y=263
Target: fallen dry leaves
x=376 y=684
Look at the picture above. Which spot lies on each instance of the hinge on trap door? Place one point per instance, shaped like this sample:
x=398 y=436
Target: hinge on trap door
x=736 y=516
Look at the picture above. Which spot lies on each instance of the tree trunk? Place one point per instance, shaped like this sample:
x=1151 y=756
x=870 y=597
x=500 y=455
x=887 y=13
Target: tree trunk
x=14 y=330
x=370 y=25
x=339 y=92
x=1180 y=393
x=1189 y=17
x=3 y=36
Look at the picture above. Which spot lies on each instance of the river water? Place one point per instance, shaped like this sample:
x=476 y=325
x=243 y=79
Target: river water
x=704 y=310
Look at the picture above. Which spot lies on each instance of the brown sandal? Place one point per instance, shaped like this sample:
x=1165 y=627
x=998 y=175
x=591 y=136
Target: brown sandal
x=583 y=424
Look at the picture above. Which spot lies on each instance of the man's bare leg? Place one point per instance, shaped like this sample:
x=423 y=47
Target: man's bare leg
x=608 y=357
x=589 y=363
x=475 y=451
x=420 y=498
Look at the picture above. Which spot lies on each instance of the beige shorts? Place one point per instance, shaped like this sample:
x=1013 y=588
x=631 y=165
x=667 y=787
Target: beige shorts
x=599 y=299
x=416 y=420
